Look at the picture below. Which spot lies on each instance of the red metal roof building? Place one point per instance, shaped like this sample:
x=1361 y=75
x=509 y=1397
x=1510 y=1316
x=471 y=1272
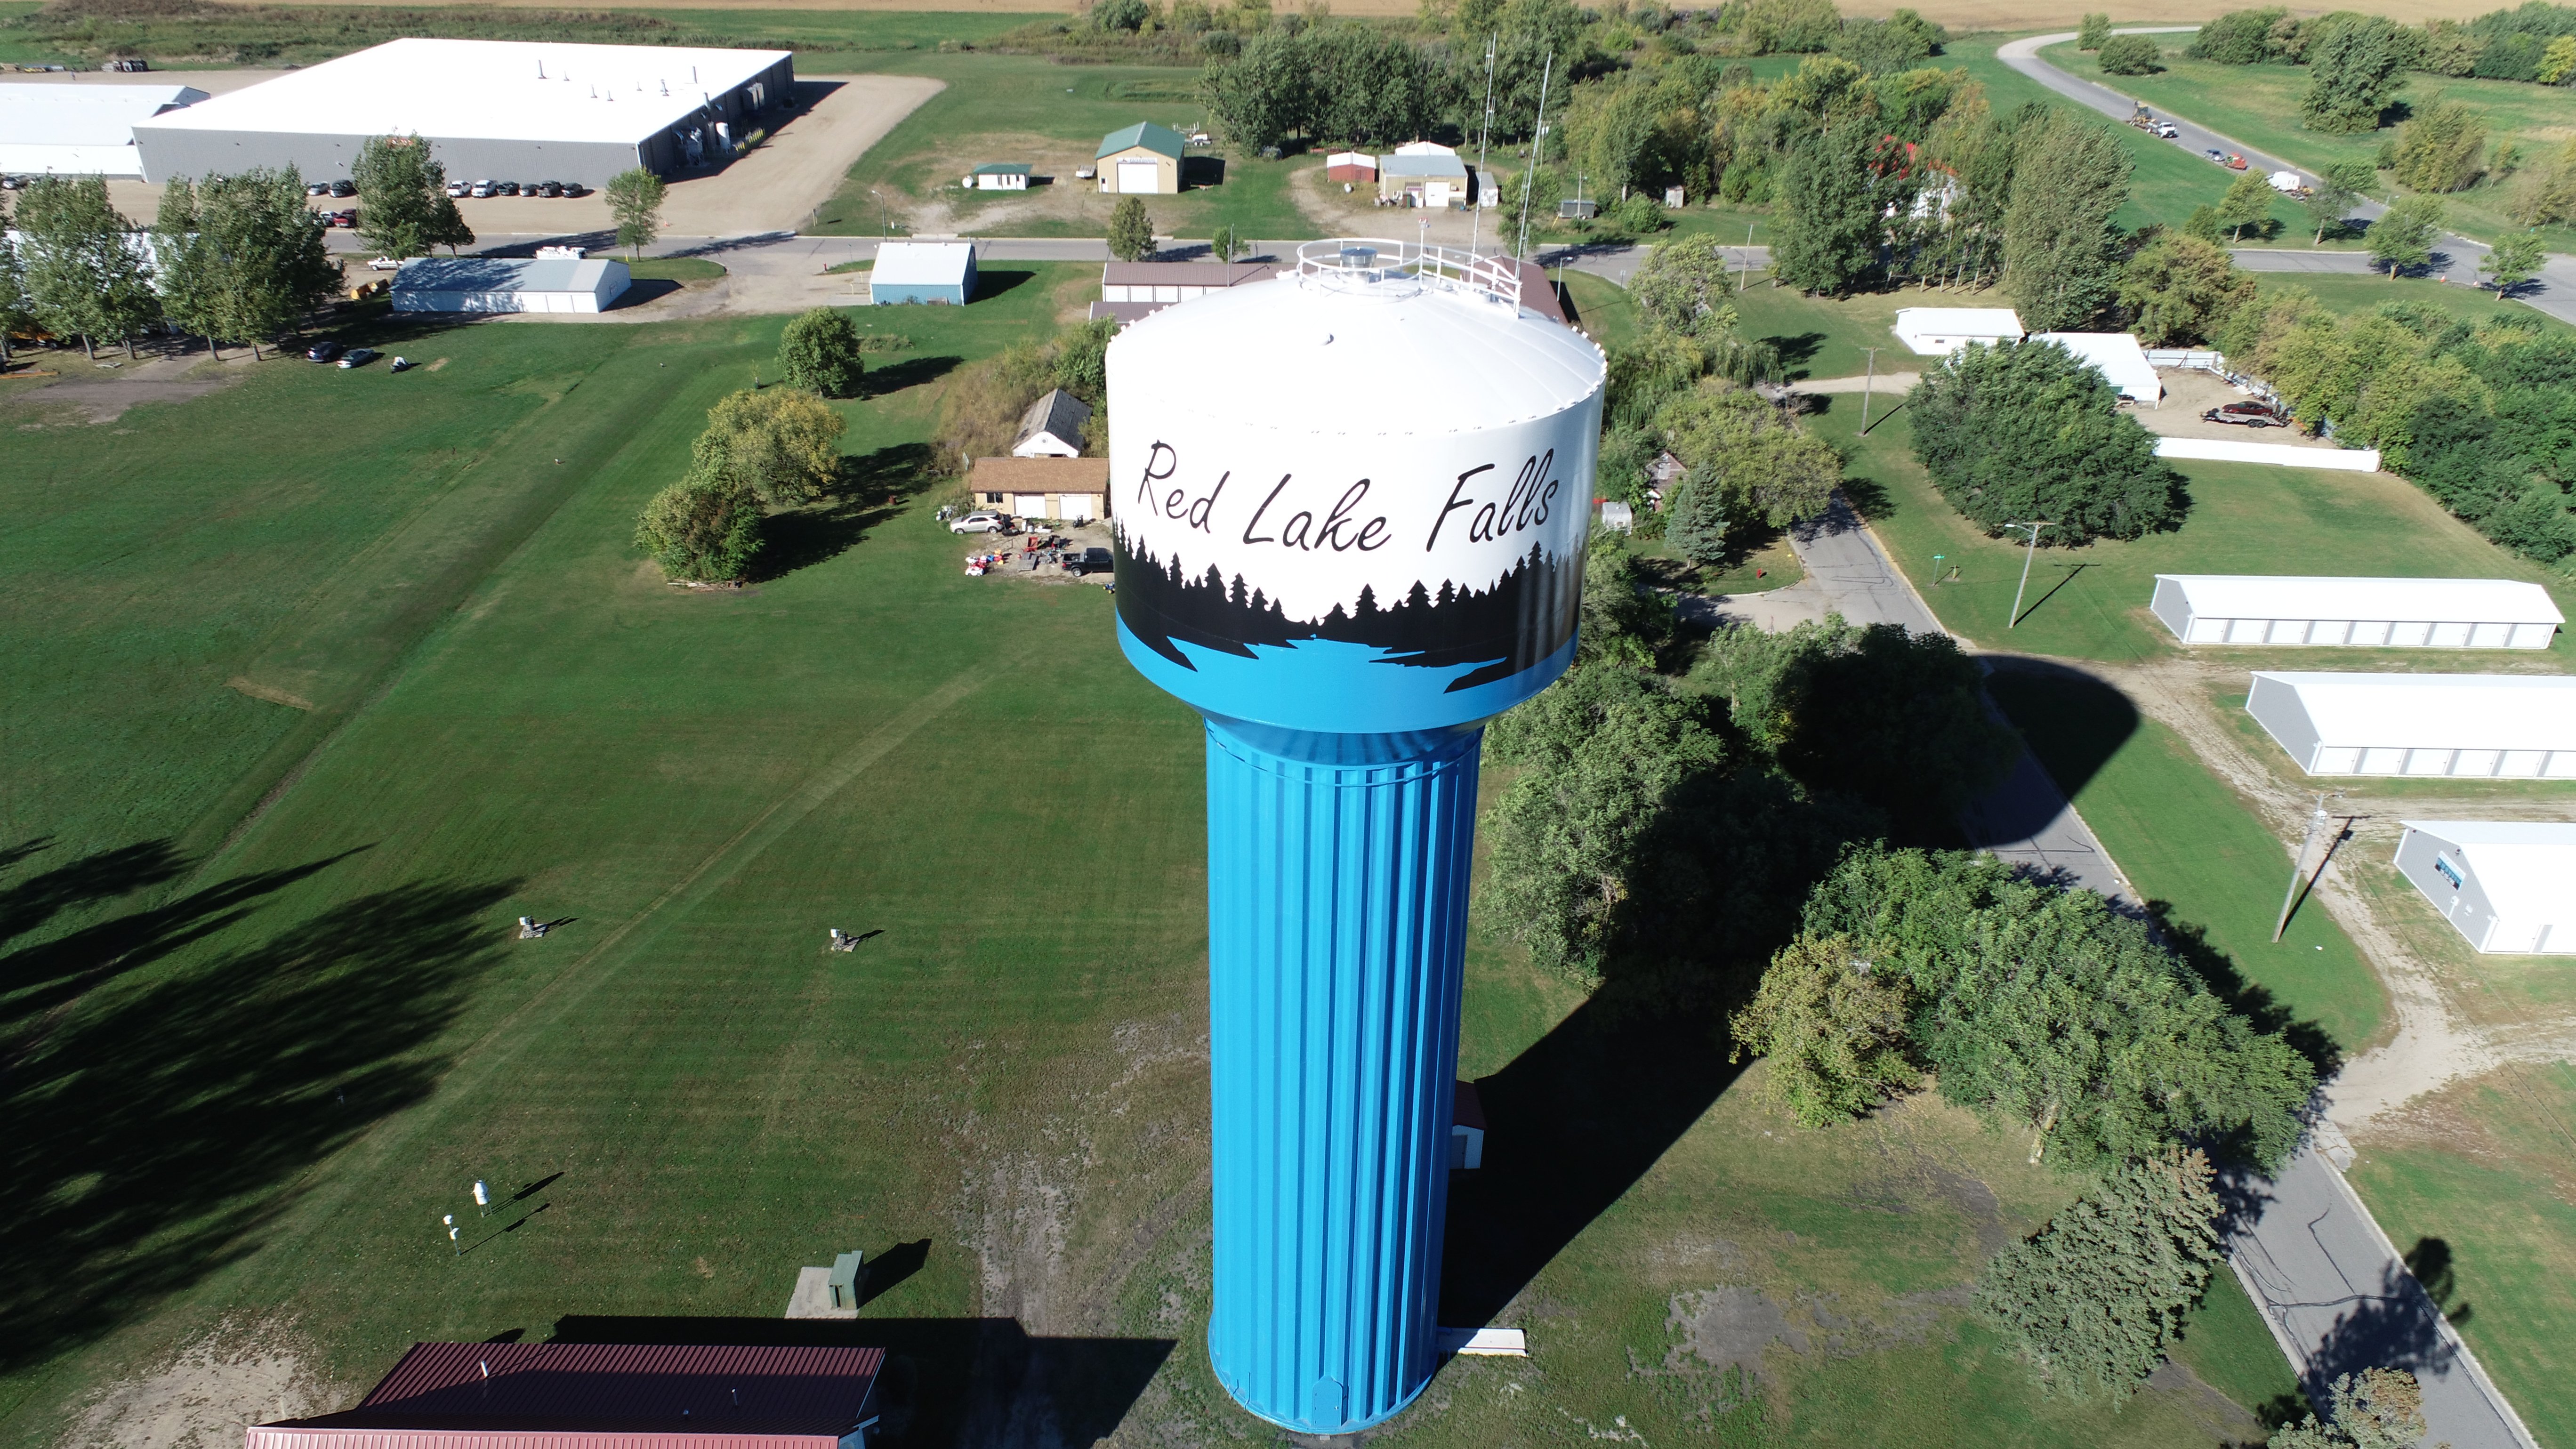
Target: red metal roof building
x=603 y=1396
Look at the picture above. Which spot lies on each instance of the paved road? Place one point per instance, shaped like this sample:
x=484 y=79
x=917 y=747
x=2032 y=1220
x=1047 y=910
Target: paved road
x=2553 y=293
x=2339 y=1300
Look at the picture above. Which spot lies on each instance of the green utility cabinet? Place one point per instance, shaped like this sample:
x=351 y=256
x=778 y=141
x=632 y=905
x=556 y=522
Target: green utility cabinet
x=845 y=1280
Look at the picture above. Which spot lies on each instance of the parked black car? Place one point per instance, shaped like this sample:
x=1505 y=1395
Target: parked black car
x=324 y=351
x=2246 y=414
x=506 y=188
x=344 y=188
x=550 y=188
x=575 y=188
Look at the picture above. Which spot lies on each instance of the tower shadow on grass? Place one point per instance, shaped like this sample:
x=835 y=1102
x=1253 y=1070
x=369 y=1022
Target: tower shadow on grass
x=157 y=1103
x=948 y=1381
x=1573 y=1123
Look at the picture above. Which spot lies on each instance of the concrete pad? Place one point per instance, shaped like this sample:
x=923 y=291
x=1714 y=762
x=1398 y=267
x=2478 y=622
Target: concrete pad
x=813 y=1296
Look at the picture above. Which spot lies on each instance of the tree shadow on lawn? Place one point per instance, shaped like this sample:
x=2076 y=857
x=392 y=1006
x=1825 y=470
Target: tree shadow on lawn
x=151 y=1121
x=947 y=1381
x=872 y=489
x=1796 y=352
x=911 y=372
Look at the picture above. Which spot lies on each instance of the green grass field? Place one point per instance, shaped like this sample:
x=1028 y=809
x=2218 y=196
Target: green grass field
x=2168 y=182
x=2259 y=106
x=1025 y=107
x=2490 y=1175
x=319 y=710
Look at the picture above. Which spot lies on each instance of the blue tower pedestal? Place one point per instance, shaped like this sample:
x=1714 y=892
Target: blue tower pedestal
x=1337 y=905
x=1346 y=603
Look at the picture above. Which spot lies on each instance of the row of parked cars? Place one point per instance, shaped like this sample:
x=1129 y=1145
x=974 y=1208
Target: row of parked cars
x=517 y=188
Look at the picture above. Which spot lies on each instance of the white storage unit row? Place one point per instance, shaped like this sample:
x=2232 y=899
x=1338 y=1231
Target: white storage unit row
x=2356 y=613
x=2496 y=726
x=2507 y=886
x=498 y=284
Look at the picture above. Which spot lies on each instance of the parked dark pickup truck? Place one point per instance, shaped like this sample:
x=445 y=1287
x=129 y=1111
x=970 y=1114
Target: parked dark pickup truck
x=2248 y=414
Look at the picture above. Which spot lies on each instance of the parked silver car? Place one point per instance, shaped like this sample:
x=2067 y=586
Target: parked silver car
x=980 y=522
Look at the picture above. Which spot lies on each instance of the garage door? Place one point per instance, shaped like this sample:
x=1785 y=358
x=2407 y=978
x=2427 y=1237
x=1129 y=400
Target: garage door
x=1077 y=507
x=1145 y=177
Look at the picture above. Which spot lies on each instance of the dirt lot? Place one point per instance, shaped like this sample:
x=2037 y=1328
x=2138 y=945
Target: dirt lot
x=773 y=189
x=2190 y=392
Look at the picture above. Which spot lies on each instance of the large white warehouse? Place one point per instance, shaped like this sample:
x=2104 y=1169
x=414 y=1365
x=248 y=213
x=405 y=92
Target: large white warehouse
x=51 y=128
x=2506 y=726
x=2506 y=885
x=2379 y=613
x=2118 y=357
x=504 y=109
x=1940 y=331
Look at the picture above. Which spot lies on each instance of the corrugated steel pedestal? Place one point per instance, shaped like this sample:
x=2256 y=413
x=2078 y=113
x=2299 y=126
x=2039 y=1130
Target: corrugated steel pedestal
x=1337 y=902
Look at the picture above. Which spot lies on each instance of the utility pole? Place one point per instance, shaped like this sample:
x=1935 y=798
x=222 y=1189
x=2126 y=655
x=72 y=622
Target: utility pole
x=1746 y=271
x=1868 y=382
x=2299 y=866
x=1538 y=147
x=884 y=227
x=2034 y=528
x=1484 y=173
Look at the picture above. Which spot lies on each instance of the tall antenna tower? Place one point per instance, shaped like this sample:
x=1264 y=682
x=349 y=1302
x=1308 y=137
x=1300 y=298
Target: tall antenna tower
x=1484 y=137
x=1538 y=148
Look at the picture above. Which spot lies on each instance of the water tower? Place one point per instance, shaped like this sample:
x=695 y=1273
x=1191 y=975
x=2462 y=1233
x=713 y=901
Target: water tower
x=1351 y=506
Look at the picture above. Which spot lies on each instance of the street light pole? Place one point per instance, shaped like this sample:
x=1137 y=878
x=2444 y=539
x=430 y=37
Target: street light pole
x=1868 y=383
x=2298 y=868
x=2015 y=620
x=884 y=225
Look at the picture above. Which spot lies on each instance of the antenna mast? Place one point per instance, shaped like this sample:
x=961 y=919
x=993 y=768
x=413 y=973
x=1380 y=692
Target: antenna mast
x=1484 y=137
x=1538 y=147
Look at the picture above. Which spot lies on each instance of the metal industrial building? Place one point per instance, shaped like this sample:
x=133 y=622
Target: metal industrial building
x=2506 y=885
x=504 y=109
x=2498 y=726
x=505 y=284
x=604 y=1396
x=2118 y=357
x=1940 y=331
x=2356 y=612
x=61 y=129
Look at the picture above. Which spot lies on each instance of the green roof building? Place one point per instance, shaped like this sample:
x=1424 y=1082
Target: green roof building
x=1142 y=160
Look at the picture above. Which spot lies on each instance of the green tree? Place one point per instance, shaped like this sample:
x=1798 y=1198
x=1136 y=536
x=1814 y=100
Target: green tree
x=1569 y=837
x=2515 y=259
x=242 y=257
x=1367 y=85
x=2023 y=430
x=15 y=311
x=2178 y=290
x=1888 y=47
x=1829 y=228
x=703 y=529
x=1228 y=243
x=2248 y=200
x=403 y=206
x=819 y=352
x=2557 y=61
x=2131 y=55
x=782 y=443
x=2061 y=253
x=1131 y=231
x=1833 y=1028
x=1751 y=466
x=2405 y=233
x=1624 y=621
x=80 y=264
x=2093 y=1300
x=2356 y=66
x=1265 y=94
x=2442 y=148
x=1081 y=365
x=2338 y=187
x=2381 y=1408
x=2095 y=30
x=1684 y=286
x=635 y=200
x=1895 y=718
x=2239 y=37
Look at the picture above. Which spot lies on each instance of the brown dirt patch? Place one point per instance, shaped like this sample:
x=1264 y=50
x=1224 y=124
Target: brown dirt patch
x=236 y=1376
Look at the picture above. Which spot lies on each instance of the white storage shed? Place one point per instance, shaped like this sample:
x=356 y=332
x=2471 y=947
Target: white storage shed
x=1940 y=331
x=2118 y=357
x=942 y=272
x=2366 y=613
x=2506 y=885
x=505 y=284
x=2499 y=726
